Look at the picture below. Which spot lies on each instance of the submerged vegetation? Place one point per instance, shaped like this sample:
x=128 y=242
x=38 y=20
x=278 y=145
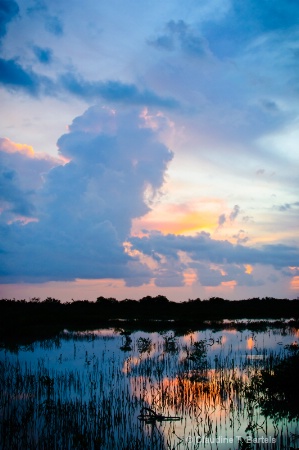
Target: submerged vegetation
x=279 y=386
x=189 y=380
x=133 y=390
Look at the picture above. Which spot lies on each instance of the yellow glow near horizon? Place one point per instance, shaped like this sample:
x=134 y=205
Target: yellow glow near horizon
x=176 y=220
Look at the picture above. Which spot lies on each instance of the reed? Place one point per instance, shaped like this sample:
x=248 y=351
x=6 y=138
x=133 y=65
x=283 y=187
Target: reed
x=86 y=391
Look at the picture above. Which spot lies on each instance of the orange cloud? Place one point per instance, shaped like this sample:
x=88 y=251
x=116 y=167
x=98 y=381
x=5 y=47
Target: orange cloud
x=295 y=283
x=229 y=284
x=189 y=277
x=22 y=219
x=9 y=146
x=12 y=147
x=248 y=268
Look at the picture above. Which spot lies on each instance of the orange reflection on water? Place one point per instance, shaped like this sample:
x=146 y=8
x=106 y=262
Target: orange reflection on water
x=189 y=338
x=177 y=393
x=128 y=363
x=203 y=394
x=250 y=343
x=295 y=332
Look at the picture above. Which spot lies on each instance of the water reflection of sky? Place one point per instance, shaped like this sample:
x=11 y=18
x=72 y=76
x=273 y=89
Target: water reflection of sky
x=155 y=375
x=73 y=352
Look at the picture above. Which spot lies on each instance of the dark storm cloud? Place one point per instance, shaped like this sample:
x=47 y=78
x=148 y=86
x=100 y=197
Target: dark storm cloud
x=85 y=207
x=8 y=10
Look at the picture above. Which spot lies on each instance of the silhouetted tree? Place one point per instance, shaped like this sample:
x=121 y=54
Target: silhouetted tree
x=106 y=301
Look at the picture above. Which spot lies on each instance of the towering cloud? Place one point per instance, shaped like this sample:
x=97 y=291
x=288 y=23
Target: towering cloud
x=84 y=209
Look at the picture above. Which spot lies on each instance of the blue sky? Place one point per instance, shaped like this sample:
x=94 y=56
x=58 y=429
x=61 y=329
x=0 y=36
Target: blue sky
x=149 y=148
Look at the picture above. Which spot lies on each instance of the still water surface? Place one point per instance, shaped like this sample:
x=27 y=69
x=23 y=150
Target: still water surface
x=88 y=390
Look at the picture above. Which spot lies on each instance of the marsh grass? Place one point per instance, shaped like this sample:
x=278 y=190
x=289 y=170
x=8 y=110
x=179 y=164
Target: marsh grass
x=96 y=405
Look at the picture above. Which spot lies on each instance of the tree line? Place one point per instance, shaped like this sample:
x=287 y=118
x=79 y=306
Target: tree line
x=48 y=316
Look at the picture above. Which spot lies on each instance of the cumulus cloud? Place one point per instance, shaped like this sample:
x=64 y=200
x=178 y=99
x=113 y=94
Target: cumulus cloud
x=12 y=199
x=216 y=261
x=212 y=275
x=85 y=207
x=21 y=175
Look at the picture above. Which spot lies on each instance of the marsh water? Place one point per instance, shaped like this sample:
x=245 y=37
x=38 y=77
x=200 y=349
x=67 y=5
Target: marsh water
x=116 y=389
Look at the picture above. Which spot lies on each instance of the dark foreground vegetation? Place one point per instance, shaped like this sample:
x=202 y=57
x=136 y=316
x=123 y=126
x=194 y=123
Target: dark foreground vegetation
x=279 y=385
x=138 y=399
x=23 y=318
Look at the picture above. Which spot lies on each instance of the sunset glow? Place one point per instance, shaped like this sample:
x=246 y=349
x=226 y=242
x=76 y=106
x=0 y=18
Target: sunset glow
x=149 y=149
x=295 y=283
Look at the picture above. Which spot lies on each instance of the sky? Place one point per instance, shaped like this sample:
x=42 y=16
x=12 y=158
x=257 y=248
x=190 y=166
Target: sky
x=149 y=148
